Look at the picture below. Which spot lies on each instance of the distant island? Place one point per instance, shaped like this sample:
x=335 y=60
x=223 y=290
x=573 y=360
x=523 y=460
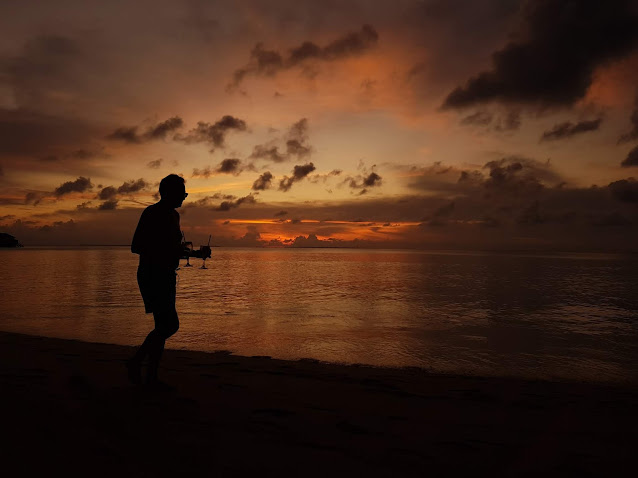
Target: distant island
x=7 y=240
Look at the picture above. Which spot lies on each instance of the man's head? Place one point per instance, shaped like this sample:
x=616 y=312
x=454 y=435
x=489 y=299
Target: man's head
x=172 y=190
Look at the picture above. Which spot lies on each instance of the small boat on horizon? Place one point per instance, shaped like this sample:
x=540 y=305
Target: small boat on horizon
x=7 y=240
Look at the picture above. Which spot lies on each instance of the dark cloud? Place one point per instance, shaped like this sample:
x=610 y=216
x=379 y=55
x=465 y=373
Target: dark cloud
x=457 y=36
x=270 y=62
x=227 y=205
x=252 y=238
x=632 y=135
x=80 y=185
x=108 y=205
x=155 y=164
x=299 y=130
x=269 y=153
x=263 y=182
x=160 y=130
x=433 y=178
x=631 y=159
x=299 y=172
x=132 y=186
x=226 y=166
x=108 y=192
x=129 y=134
x=551 y=63
x=206 y=172
x=207 y=200
x=502 y=178
x=230 y=166
x=313 y=240
x=372 y=179
x=262 y=62
x=625 y=190
x=352 y=43
x=569 y=129
x=363 y=181
x=296 y=145
x=222 y=196
x=213 y=134
x=514 y=175
x=280 y=213
x=128 y=187
x=548 y=219
x=439 y=216
x=324 y=177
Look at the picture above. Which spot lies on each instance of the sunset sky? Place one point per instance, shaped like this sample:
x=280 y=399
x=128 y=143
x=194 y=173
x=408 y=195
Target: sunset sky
x=444 y=124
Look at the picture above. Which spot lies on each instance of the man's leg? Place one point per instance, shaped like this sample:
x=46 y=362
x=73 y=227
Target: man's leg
x=154 y=357
x=145 y=280
x=143 y=350
x=134 y=364
x=166 y=324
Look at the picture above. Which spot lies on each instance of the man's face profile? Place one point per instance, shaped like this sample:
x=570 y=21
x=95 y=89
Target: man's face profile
x=175 y=196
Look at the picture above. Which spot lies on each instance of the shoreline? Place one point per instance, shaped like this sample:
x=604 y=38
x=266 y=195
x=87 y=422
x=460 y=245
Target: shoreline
x=69 y=407
x=391 y=370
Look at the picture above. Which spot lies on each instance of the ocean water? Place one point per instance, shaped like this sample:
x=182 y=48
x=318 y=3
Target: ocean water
x=563 y=317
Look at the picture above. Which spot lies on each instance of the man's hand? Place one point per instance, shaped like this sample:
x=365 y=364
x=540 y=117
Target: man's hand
x=203 y=253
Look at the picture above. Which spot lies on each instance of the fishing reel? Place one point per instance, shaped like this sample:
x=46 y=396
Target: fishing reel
x=188 y=251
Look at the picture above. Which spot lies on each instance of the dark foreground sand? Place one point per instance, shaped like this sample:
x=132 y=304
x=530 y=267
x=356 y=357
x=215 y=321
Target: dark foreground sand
x=67 y=409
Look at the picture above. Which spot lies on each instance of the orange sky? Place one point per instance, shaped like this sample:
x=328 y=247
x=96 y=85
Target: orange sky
x=99 y=101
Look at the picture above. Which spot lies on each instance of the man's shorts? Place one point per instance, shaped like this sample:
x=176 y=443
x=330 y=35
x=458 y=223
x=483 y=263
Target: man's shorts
x=157 y=286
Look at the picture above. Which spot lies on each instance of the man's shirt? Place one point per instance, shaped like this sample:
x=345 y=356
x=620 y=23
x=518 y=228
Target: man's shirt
x=158 y=238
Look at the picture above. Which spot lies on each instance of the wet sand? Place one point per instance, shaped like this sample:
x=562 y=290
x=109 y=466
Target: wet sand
x=68 y=408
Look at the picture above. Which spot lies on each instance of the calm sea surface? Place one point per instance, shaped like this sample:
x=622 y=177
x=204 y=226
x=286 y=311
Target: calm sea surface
x=558 y=317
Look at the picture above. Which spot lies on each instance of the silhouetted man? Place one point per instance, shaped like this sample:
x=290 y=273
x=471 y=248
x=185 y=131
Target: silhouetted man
x=158 y=241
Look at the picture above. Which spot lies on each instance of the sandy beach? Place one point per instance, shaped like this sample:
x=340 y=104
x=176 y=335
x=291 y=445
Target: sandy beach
x=67 y=407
